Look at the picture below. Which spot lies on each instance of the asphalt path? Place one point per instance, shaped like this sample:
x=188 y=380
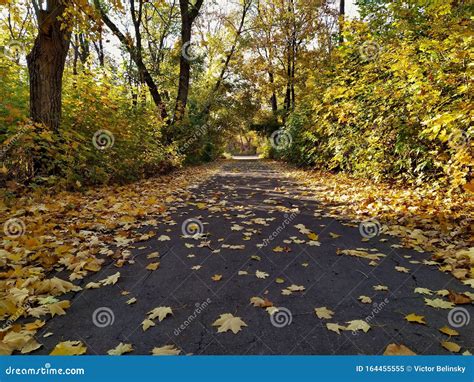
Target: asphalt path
x=242 y=214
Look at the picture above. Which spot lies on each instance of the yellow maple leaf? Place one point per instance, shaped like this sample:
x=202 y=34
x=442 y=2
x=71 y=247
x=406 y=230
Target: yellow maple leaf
x=438 y=303
x=227 y=322
x=147 y=324
x=447 y=330
x=160 y=312
x=153 y=266
x=451 y=346
x=120 y=349
x=323 y=312
x=165 y=350
x=335 y=327
x=412 y=317
x=69 y=348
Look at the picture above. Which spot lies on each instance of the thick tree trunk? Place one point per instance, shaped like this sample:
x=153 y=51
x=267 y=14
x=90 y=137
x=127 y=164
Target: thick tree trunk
x=188 y=15
x=46 y=66
x=184 y=72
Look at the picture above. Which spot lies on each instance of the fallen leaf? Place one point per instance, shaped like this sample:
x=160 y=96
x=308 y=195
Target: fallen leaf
x=146 y=324
x=423 y=291
x=323 y=312
x=438 y=303
x=228 y=322
x=120 y=349
x=111 y=280
x=447 y=330
x=365 y=299
x=69 y=348
x=335 y=327
x=153 y=266
x=402 y=269
x=356 y=325
x=216 y=277
x=412 y=317
x=451 y=346
x=166 y=350
x=260 y=302
x=459 y=298
x=261 y=275
x=160 y=312
x=395 y=349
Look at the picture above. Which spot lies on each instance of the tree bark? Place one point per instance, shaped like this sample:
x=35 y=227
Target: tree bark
x=342 y=12
x=273 y=98
x=46 y=65
x=187 y=18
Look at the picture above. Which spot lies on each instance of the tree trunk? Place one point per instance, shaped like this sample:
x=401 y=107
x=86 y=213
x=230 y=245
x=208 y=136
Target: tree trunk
x=273 y=98
x=342 y=12
x=46 y=66
x=187 y=18
x=184 y=72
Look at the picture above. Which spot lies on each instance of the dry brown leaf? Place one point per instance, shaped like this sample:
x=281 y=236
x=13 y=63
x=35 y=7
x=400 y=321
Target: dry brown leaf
x=395 y=349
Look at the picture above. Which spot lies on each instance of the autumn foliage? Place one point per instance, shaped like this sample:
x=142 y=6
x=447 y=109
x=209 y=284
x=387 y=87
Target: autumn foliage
x=394 y=101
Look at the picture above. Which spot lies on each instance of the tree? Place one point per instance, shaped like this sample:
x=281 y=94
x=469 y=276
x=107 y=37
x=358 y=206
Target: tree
x=46 y=63
x=136 y=49
x=189 y=13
